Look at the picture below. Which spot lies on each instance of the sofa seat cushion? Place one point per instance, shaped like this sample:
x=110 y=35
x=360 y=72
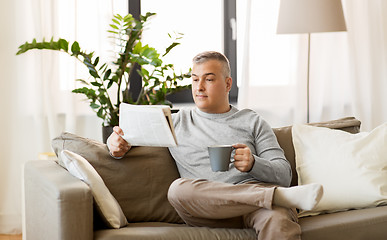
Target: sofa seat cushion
x=369 y=223
x=168 y=231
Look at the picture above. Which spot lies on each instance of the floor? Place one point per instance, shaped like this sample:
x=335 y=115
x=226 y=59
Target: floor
x=10 y=237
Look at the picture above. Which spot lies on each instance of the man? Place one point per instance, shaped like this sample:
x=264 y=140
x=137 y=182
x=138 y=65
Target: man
x=254 y=193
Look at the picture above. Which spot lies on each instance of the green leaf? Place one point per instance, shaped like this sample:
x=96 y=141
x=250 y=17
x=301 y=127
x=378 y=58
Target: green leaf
x=90 y=93
x=128 y=18
x=118 y=16
x=107 y=74
x=150 y=53
x=144 y=72
x=156 y=62
x=147 y=15
x=137 y=48
x=114 y=26
x=96 y=61
x=100 y=113
x=94 y=105
x=93 y=73
x=115 y=21
x=115 y=78
x=102 y=66
x=140 y=60
x=82 y=81
x=97 y=84
x=170 y=48
x=75 y=48
x=110 y=84
x=63 y=44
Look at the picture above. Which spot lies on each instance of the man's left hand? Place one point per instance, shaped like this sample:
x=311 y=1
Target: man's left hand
x=243 y=158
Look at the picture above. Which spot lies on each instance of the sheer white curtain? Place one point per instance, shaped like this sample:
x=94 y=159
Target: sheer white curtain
x=367 y=54
x=36 y=99
x=271 y=67
x=347 y=72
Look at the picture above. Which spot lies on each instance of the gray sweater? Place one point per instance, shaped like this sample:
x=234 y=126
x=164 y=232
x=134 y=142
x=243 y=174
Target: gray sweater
x=196 y=130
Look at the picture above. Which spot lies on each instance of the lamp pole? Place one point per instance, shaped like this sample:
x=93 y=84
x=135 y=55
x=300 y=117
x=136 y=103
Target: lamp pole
x=308 y=84
x=310 y=16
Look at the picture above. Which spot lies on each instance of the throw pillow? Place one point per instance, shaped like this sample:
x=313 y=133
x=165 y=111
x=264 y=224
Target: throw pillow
x=107 y=205
x=351 y=167
x=284 y=137
x=139 y=181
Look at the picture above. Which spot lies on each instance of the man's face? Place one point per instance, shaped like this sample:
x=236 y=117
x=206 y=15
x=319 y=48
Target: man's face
x=210 y=87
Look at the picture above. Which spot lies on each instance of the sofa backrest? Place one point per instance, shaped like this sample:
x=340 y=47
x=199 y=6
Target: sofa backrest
x=284 y=137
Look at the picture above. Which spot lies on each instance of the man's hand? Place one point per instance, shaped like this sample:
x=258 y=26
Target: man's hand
x=243 y=157
x=116 y=144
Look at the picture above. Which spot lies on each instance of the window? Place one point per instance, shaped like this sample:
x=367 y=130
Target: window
x=268 y=50
x=87 y=22
x=203 y=29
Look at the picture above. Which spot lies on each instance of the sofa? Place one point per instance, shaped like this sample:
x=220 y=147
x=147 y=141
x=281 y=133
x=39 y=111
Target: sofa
x=61 y=206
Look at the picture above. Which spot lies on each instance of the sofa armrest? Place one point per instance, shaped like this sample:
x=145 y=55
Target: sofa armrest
x=57 y=205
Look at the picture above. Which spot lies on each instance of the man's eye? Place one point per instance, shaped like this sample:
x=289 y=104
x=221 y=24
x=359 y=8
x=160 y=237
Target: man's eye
x=195 y=79
x=209 y=79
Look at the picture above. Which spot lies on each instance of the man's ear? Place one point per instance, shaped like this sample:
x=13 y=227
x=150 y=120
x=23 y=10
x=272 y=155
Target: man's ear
x=228 y=83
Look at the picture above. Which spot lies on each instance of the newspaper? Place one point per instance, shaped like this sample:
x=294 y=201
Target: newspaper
x=147 y=125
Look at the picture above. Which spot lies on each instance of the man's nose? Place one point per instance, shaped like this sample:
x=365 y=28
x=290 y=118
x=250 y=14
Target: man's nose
x=199 y=85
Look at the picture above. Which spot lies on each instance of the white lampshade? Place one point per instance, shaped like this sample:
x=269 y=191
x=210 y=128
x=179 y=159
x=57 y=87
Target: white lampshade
x=308 y=16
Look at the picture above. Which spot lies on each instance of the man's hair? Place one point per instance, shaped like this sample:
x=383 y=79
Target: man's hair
x=212 y=55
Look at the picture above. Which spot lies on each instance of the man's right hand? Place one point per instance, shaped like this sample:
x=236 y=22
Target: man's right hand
x=116 y=144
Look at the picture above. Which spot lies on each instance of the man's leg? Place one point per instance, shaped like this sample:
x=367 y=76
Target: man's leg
x=200 y=202
x=204 y=203
x=278 y=223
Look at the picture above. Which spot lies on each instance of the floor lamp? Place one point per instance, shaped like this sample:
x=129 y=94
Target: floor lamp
x=310 y=16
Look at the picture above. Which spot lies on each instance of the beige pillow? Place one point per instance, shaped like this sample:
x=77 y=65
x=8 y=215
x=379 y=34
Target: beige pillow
x=351 y=167
x=284 y=137
x=108 y=206
x=139 y=181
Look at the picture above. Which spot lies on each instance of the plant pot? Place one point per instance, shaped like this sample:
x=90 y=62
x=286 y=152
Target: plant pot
x=106 y=131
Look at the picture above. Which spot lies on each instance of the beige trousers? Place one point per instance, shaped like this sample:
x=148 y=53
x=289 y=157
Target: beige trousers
x=216 y=204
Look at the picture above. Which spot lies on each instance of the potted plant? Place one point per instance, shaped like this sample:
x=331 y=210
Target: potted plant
x=158 y=78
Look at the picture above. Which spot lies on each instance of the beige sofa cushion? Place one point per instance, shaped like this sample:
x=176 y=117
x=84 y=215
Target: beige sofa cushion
x=361 y=224
x=139 y=181
x=168 y=231
x=284 y=137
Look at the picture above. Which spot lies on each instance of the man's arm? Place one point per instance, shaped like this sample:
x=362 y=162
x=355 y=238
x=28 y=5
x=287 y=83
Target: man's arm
x=270 y=164
x=276 y=171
